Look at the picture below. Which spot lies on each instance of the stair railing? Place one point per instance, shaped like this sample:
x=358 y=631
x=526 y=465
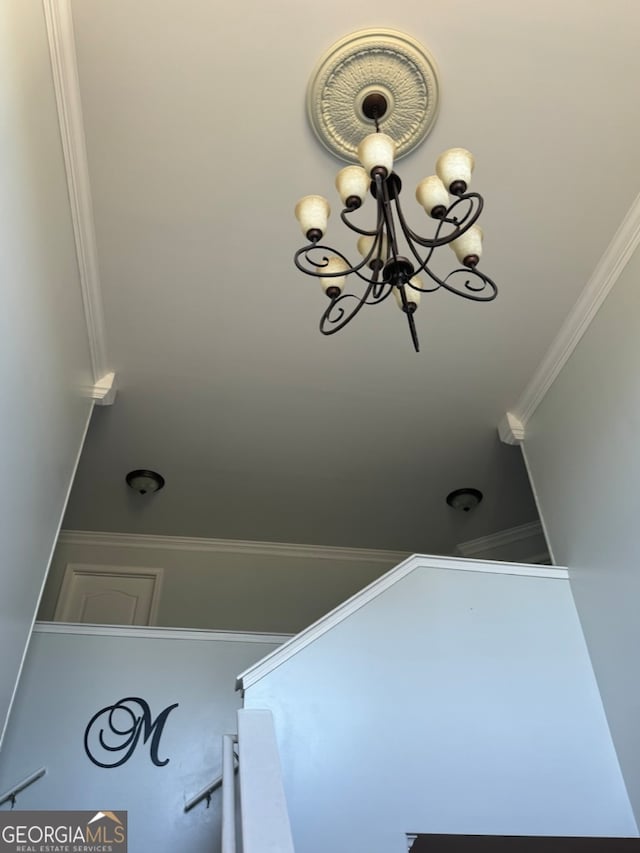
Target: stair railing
x=212 y=787
x=11 y=795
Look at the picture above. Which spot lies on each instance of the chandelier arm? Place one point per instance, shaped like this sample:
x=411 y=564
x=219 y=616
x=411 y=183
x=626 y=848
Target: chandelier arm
x=475 y=291
x=342 y=317
x=352 y=227
x=423 y=266
x=439 y=281
x=423 y=289
x=460 y=225
x=383 y=290
x=376 y=248
x=324 y=260
x=423 y=263
x=408 y=235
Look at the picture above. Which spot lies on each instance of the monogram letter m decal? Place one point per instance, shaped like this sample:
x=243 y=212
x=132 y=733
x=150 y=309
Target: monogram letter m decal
x=113 y=732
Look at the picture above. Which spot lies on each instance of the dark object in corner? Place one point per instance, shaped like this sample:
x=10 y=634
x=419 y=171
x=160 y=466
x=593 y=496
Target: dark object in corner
x=521 y=844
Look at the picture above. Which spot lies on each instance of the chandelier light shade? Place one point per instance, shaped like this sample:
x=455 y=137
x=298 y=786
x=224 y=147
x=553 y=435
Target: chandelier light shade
x=376 y=152
x=334 y=279
x=394 y=258
x=432 y=194
x=468 y=246
x=352 y=183
x=454 y=169
x=312 y=213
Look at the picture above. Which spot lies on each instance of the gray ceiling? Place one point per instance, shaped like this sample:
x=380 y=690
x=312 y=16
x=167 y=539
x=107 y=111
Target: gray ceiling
x=198 y=150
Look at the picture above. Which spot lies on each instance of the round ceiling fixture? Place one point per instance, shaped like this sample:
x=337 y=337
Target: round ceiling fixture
x=144 y=482
x=464 y=500
x=386 y=64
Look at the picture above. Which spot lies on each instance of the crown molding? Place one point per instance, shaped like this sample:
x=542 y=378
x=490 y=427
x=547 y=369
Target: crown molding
x=230 y=546
x=419 y=561
x=64 y=68
x=511 y=429
x=523 y=532
x=611 y=264
x=104 y=391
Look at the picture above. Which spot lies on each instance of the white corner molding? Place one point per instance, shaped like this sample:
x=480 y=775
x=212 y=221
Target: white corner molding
x=59 y=23
x=511 y=429
x=104 y=391
x=343 y=611
x=625 y=241
x=526 y=542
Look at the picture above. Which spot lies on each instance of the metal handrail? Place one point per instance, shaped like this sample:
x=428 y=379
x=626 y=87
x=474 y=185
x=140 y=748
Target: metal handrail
x=10 y=795
x=205 y=793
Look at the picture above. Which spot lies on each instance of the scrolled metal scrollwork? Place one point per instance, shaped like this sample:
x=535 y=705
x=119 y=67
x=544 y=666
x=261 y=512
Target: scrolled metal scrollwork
x=336 y=316
x=317 y=267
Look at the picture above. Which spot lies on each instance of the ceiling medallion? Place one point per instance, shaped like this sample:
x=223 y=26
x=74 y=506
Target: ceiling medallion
x=373 y=61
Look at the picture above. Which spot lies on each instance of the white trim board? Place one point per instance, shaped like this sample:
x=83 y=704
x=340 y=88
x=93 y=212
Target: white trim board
x=64 y=68
x=143 y=632
x=484 y=545
x=272 y=661
x=230 y=546
x=513 y=426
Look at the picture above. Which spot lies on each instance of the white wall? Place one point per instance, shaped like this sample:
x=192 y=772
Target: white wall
x=584 y=460
x=44 y=357
x=230 y=585
x=454 y=702
x=69 y=676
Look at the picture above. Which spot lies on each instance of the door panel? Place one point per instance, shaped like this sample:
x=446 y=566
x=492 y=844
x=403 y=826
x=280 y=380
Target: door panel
x=108 y=595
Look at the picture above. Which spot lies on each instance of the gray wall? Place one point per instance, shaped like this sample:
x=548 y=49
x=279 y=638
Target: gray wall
x=68 y=677
x=582 y=451
x=44 y=358
x=233 y=587
x=454 y=702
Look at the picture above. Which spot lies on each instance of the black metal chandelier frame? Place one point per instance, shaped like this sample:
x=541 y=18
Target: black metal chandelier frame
x=391 y=268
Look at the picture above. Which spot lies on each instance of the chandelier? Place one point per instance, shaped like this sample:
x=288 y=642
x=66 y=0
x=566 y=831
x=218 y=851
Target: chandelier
x=393 y=258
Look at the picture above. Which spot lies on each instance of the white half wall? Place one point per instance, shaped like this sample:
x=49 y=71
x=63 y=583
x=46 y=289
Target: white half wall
x=455 y=701
x=583 y=457
x=44 y=352
x=72 y=672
